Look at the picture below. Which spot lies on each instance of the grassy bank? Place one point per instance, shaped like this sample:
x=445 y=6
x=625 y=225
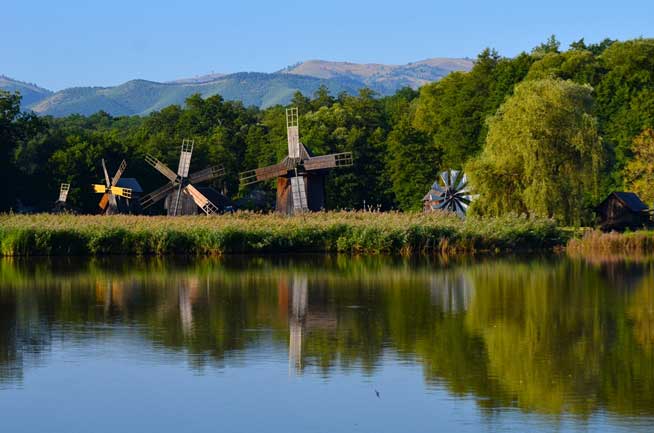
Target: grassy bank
x=347 y=232
x=595 y=242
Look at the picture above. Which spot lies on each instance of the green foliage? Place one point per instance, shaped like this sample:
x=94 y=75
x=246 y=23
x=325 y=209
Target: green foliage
x=639 y=171
x=542 y=154
x=453 y=111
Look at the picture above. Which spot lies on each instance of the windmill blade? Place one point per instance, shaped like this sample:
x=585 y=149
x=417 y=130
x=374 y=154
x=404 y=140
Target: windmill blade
x=436 y=186
x=106 y=174
x=264 y=173
x=445 y=176
x=99 y=188
x=207 y=174
x=63 y=192
x=328 y=161
x=161 y=167
x=156 y=195
x=463 y=182
x=104 y=201
x=119 y=173
x=185 y=158
x=123 y=192
x=293 y=132
x=203 y=202
x=454 y=178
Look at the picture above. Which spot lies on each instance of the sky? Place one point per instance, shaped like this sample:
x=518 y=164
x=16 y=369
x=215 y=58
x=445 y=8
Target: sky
x=59 y=44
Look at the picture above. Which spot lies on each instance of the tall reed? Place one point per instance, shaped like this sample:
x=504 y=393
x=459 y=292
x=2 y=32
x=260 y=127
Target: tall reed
x=244 y=232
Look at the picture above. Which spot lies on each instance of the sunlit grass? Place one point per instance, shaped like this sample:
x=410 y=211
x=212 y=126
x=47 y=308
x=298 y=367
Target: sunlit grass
x=244 y=232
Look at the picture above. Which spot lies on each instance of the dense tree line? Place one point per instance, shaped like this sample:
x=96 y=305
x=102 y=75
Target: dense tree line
x=547 y=132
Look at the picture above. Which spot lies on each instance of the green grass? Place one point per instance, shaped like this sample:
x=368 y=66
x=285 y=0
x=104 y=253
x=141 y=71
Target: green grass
x=344 y=232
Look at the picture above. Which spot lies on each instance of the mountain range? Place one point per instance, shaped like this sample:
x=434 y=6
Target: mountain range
x=138 y=97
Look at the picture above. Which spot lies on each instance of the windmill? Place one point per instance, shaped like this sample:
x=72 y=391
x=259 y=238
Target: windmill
x=181 y=184
x=60 y=204
x=300 y=175
x=110 y=190
x=449 y=192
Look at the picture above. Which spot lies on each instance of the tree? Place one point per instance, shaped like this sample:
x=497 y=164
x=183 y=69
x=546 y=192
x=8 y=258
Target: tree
x=9 y=112
x=453 y=111
x=542 y=153
x=639 y=171
x=550 y=46
x=625 y=100
x=413 y=162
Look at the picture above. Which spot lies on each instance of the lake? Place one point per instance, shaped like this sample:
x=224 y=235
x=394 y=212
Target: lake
x=326 y=344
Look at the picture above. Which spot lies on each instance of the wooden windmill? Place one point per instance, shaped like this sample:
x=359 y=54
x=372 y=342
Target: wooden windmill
x=181 y=183
x=110 y=190
x=60 y=204
x=300 y=175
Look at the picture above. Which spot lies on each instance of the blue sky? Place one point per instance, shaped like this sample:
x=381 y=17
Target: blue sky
x=59 y=44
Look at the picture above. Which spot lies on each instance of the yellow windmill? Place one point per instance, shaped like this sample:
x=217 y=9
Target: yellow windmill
x=110 y=190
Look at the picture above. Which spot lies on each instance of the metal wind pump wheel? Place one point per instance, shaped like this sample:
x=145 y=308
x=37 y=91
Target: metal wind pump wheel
x=450 y=192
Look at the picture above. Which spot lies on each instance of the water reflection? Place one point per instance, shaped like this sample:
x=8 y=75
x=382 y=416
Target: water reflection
x=551 y=336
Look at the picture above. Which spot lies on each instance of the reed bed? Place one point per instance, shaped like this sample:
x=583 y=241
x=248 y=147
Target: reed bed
x=243 y=232
x=629 y=244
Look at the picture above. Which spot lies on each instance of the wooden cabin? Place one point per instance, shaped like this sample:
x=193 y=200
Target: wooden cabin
x=188 y=207
x=621 y=211
x=129 y=205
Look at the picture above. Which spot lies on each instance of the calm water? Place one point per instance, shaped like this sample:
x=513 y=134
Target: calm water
x=303 y=344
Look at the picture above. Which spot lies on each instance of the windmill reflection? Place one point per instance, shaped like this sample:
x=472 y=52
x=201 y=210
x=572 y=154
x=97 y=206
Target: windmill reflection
x=293 y=291
x=451 y=291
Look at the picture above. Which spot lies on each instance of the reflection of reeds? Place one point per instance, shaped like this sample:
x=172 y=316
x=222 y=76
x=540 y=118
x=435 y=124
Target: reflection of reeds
x=598 y=247
x=350 y=232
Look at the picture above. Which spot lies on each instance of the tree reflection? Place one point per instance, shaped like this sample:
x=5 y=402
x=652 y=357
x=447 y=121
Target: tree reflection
x=546 y=335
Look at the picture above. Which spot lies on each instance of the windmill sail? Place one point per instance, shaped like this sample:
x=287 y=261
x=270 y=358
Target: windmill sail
x=185 y=158
x=328 y=161
x=63 y=192
x=293 y=133
x=161 y=167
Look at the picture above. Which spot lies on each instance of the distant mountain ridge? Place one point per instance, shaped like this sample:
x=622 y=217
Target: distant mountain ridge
x=139 y=97
x=31 y=92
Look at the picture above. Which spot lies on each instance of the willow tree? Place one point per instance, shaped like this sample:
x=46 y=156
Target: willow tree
x=542 y=153
x=639 y=172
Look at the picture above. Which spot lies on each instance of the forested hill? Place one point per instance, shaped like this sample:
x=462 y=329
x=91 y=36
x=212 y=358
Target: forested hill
x=31 y=93
x=548 y=132
x=140 y=97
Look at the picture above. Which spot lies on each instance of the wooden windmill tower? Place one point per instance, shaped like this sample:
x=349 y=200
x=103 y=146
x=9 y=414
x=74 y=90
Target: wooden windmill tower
x=180 y=184
x=110 y=190
x=300 y=176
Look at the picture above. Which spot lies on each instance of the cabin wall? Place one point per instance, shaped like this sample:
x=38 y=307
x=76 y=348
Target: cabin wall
x=186 y=204
x=284 y=203
x=613 y=215
x=316 y=192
